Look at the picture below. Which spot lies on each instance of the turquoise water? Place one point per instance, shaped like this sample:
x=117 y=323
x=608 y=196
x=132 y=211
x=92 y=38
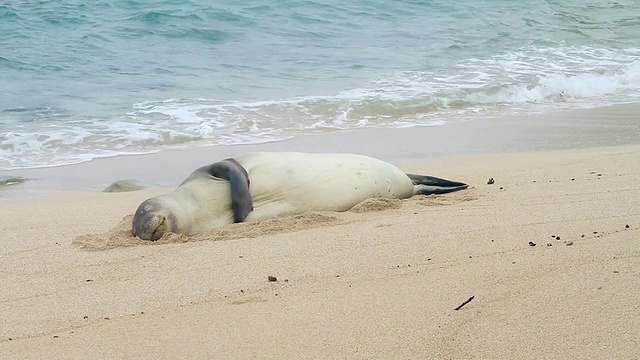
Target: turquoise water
x=80 y=80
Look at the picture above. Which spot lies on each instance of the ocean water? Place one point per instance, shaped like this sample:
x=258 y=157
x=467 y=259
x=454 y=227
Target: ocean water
x=87 y=79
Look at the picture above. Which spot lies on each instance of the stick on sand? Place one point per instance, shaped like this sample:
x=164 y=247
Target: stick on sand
x=464 y=303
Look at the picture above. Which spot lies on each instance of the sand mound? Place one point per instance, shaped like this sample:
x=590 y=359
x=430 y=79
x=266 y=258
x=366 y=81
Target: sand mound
x=377 y=204
x=447 y=199
x=120 y=235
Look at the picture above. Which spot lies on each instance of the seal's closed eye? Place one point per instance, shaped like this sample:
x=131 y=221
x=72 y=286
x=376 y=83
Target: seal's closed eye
x=241 y=201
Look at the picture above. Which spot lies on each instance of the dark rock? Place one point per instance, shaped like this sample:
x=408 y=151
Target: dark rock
x=124 y=186
x=11 y=180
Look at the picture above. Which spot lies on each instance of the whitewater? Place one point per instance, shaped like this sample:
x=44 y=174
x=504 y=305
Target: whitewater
x=82 y=80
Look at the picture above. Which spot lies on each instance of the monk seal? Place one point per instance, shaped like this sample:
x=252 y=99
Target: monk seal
x=263 y=185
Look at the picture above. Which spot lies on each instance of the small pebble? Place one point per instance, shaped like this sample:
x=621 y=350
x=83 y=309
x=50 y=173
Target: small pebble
x=491 y=181
x=531 y=243
x=501 y=188
x=272 y=278
x=627 y=226
x=569 y=243
x=616 y=272
x=573 y=179
x=549 y=244
x=557 y=237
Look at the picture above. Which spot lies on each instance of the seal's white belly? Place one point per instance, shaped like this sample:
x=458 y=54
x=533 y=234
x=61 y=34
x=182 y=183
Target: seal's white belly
x=291 y=183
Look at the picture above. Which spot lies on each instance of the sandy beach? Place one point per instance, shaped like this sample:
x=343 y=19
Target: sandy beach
x=550 y=253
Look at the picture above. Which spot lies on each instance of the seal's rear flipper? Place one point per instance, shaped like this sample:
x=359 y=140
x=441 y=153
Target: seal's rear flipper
x=427 y=185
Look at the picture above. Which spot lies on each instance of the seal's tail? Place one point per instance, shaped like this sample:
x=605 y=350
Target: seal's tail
x=427 y=185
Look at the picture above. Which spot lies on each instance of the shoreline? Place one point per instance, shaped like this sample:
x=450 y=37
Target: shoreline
x=570 y=129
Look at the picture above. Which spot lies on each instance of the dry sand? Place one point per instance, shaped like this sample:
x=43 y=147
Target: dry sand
x=380 y=281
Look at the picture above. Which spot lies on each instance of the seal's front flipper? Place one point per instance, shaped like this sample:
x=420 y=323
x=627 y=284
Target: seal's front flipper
x=241 y=201
x=427 y=185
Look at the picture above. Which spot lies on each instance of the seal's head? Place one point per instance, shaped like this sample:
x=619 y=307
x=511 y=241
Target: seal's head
x=152 y=220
